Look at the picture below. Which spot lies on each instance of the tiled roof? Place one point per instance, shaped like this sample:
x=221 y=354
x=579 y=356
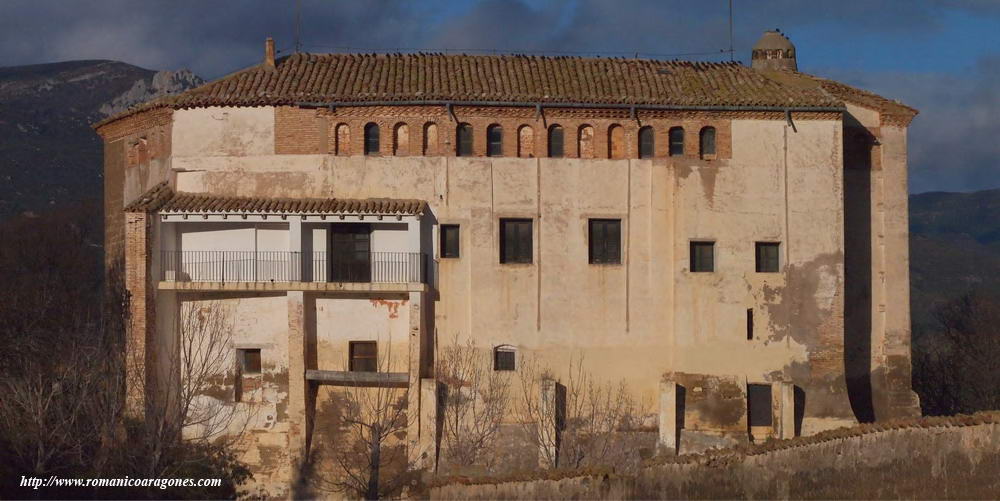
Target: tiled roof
x=843 y=92
x=498 y=78
x=162 y=199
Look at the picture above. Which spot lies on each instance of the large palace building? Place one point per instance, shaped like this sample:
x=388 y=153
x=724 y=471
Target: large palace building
x=730 y=242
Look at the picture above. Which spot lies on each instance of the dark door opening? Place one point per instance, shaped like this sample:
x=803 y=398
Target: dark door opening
x=350 y=252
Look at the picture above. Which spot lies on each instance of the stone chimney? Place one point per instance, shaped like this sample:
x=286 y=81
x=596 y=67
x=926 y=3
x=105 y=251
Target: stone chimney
x=269 y=53
x=774 y=52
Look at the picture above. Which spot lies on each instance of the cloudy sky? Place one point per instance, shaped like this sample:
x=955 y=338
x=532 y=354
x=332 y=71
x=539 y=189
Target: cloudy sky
x=941 y=56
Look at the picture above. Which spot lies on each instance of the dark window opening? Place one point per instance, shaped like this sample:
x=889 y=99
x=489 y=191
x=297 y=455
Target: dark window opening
x=494 y=141
x=247 y=364
x=767 y=257
x=515 y=241
x=703 y=256
x=676 y=141
x=364 y=356
x=463 y=140
x=706 y=142
x=371 y=139
x=556 y=141
x=449 y=240
x=759 y=404
x=749 y=324
x=503 y=358
x=646 y=142
x=605 y=241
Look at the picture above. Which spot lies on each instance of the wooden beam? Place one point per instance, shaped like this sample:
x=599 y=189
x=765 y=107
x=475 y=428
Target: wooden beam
x=346 y=378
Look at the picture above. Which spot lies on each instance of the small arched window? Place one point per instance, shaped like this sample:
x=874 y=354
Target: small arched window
x=646 y=142
x=342 y=141
x=504 y=358
x=616 y=141
x=371 y=139
x=494 y=141
x=676 y=141
x=463 y=140
x=525 y=142
x=585 y=141
x=430 y=138
x=401 y=140
x=556 y=141
x=706 y=142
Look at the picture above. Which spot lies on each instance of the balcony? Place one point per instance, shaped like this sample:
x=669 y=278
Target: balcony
x=282 y=270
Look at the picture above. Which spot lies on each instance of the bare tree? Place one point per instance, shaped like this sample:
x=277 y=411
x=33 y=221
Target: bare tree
x=477 y=402
x=366 y=454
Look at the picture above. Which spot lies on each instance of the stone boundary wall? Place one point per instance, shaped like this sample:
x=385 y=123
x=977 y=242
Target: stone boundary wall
x=920 y=458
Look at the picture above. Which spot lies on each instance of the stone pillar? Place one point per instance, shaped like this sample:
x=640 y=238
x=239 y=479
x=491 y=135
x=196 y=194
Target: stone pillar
x=668 y=417
x=297 y=384
x=551 y=410
x=783 y=405
x=425 y=453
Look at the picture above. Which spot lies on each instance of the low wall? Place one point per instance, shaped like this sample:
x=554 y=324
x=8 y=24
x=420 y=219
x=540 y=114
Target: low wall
x=953 y=457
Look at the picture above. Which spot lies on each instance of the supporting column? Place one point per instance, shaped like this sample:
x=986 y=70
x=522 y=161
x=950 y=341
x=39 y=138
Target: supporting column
x=297 y=384
x=551 y=411
x=414 y=394
x=668 y=417
x=783 y=394
x=297 y=260
x=140 y=356
x=427 y=443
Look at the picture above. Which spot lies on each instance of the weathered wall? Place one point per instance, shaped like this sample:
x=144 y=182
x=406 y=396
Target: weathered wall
x=951 y=458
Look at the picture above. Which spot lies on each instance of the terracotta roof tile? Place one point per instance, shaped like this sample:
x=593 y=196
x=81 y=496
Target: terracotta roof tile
x=162 y=199
x=505 y=78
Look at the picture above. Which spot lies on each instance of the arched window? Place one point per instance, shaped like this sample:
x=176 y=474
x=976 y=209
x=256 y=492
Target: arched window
x=616 y=141
x=676 y=141
x=646 y=142
x=494 y=141
x=706 y=142
x=525 y=142
x=463 y=140
x=371 y=139
x=430 y=138
x=556 y=141
x=342 y=140
x=585 y=141
x=504 y=358
x=401 y=140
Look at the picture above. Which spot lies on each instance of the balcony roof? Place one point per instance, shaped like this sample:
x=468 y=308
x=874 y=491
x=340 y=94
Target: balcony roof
x=164 y=200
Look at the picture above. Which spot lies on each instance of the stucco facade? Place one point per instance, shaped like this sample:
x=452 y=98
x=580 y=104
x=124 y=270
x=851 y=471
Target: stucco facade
x=828 y=330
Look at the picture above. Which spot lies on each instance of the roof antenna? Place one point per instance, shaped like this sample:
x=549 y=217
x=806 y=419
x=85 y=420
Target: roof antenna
x=732 y=52
x=298 y=25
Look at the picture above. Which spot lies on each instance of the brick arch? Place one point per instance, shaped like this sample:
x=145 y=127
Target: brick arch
x=525 y=141
x=430 y=146
x=585 y=141
x=342 y=139
x=616 y=141
x=401 y=139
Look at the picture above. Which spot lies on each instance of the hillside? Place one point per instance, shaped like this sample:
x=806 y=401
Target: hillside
x=49 y=155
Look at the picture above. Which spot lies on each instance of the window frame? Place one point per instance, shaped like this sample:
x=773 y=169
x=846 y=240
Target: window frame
x=761 y=262
x=444 y=251
x=598 y=251
x=553 y=130
x=517 y=255
x=763 y=395
x=676 y=144
x=352 y=357
x=494 y=148
x=694 y=264
x=703 y=136
x=369 y=139
x=504 y=365
x=243 y=352
x=647 y=148
x=465 y=143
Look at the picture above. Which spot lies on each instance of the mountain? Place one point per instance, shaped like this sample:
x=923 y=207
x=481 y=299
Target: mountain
x=954 y=248
x=49 y=155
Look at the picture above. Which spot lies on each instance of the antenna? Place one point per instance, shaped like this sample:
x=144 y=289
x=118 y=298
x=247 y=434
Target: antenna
x=732 y=52
x=298 y=25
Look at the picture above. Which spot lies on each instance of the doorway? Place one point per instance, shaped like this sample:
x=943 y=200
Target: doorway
x=350 y=252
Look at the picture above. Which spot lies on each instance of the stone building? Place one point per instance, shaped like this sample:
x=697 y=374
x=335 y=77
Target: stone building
x=730 y=241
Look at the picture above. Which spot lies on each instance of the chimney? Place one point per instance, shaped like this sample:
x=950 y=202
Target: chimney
x=774 y=51
x=269 y=53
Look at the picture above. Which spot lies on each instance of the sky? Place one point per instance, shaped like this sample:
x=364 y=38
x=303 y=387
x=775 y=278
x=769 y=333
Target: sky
x=940 y=56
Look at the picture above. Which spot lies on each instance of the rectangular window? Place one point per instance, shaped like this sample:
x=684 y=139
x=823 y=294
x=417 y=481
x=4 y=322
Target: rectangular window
x=749 y=324
x=449 y=240
x=515 y=241
x=503 y=359
x=605 y=241
x=759 y=403
x=364 y=356
x=703 y=257
x=249 y=362
x=767 y=257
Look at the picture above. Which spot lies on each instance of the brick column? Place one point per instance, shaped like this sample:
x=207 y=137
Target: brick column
x=141 y=325
x=668 y=417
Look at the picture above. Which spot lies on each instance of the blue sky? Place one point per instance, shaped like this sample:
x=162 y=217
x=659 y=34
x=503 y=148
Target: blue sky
x=941 y=56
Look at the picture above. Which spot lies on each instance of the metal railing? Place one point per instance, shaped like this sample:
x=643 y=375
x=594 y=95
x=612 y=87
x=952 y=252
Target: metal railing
x=283 y=266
